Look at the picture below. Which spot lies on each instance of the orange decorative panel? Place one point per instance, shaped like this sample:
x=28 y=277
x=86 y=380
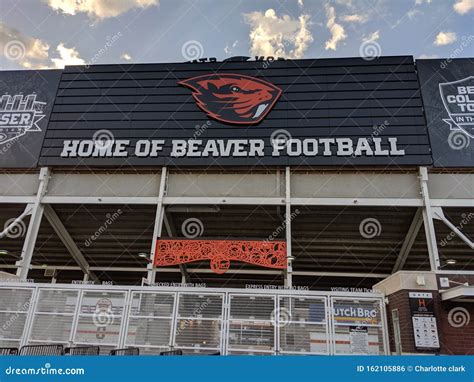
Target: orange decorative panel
x=268 y=254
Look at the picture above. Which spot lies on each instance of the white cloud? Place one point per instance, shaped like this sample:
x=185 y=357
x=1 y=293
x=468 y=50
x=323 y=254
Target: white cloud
x=300 y=3
x=23 y=50
x=445 y=38
x=413 y=13
x=338 y=33
x=284 y=36
x=463 y=6
x=347 y=3
x=415 y=10
x=100 y=9
x=126 y=57
x=32 y=53
x=371 y=37
x=355 y=18
x=67 y=56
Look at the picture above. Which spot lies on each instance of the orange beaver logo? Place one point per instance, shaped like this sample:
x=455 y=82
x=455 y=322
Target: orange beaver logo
x=233 y=98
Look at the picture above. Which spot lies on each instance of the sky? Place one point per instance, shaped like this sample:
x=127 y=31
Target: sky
x=54 y=33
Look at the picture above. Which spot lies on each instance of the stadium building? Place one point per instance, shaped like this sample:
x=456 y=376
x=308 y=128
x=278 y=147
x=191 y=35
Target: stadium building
x=239 y=207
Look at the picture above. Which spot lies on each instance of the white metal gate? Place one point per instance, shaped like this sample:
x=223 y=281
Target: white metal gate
x=196 y=320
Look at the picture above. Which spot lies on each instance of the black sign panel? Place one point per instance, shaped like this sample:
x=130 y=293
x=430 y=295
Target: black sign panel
x=425 y=330
x=255 y=113
x=26 y=101
x=447 y=88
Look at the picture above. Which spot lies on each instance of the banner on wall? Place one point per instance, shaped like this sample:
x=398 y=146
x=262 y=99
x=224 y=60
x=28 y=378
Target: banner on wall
x=26 y=101
x=329 y=112
x=220 y=253
x=447 y=88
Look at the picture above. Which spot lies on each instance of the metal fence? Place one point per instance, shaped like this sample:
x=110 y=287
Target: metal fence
x=194 y=320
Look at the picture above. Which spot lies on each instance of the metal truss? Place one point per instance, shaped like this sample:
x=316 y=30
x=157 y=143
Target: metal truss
x=43 y=201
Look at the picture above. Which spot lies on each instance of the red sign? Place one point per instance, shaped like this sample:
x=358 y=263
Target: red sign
x=233 y=98
x=268 y=254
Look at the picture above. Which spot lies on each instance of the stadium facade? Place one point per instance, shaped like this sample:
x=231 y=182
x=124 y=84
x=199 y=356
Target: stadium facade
x=242 y=207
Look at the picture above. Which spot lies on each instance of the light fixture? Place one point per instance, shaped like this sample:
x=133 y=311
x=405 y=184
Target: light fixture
x=448 y=262
x=290 y=258
x=143 y=255
x=3 y=252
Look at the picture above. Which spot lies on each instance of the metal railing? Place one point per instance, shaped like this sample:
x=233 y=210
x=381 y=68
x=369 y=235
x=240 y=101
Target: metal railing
x=126 y=351
x=192 y=320
x=8 y=351
x=42 y=350
x=82 y=350
x=172 y=352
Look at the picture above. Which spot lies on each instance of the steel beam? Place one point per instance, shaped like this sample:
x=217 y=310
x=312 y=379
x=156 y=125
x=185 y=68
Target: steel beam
x=216 y=200
x=409 y=240
x=342 y=274
x=428 y=221
x=237 y=200
x=33 y=226
x=160 y=212
x=230 y=271
x=17 y=199
x=289 y=258
x=384 y=202
x=439 y=215
x=452 y=203
x=99 y=200
x=13 y=224
x=171 y=231
x=68 y=241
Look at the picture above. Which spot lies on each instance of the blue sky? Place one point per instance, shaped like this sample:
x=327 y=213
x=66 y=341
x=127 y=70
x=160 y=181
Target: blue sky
x=54 y=33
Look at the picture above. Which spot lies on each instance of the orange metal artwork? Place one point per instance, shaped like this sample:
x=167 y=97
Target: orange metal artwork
x=268 y=254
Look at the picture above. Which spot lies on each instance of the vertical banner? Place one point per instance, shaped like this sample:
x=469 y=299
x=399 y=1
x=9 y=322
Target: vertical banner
x=26 y=101
x=425 y=330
